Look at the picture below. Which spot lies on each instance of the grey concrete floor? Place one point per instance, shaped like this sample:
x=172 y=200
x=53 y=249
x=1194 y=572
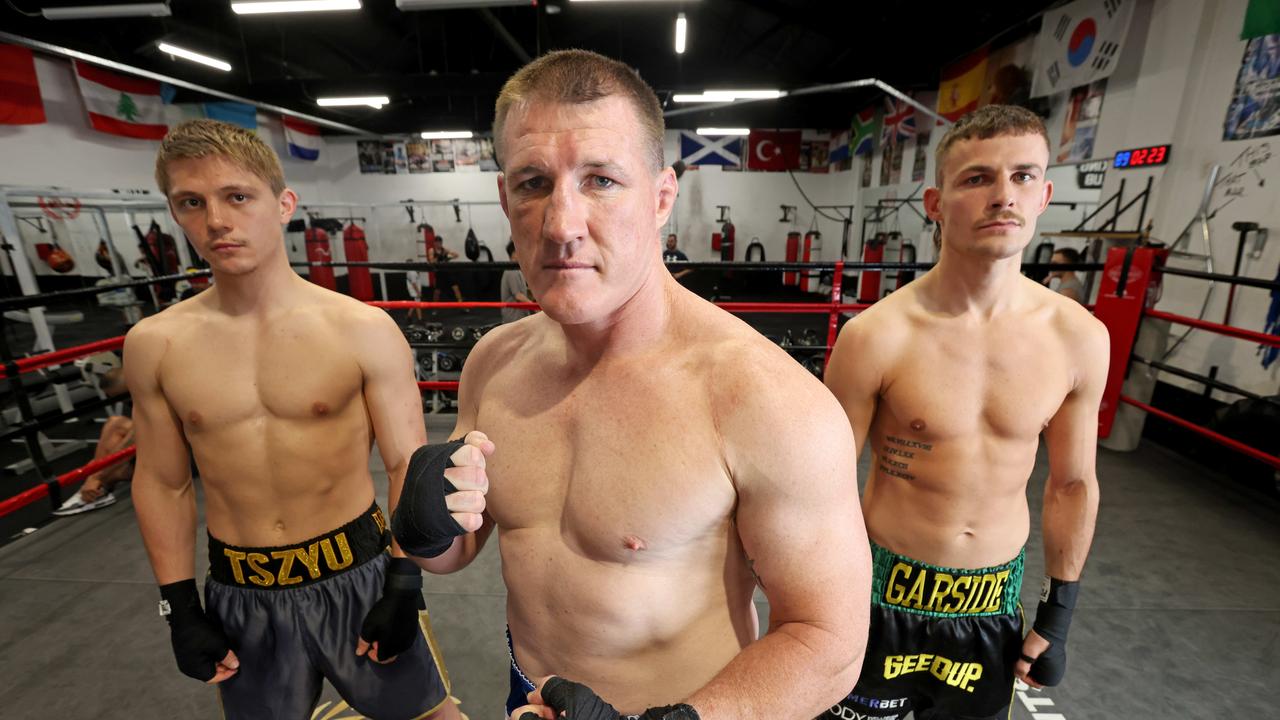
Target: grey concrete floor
x=1178 y=616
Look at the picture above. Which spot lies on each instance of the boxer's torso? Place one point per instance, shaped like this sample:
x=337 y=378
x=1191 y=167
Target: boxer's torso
x=615 y=511
x=272 y=407
x=962 y=403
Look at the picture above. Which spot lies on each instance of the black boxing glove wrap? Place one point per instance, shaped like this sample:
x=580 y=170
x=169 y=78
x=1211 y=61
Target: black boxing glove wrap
x=422 y=524
x=579 y=702
x=198 y=641
x=1053 y=619
x=392 y=622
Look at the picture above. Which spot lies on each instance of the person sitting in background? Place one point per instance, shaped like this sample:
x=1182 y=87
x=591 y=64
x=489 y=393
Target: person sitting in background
x=116 y=435
x=1066 y=282
x=514 y=289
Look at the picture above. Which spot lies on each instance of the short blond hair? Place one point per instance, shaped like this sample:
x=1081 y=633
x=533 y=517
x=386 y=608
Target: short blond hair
x=213 y=138
x=576 y=77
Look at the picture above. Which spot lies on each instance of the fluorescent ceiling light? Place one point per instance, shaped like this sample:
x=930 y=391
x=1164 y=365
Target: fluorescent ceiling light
x=374 y=101
x=621 y=1
x=727 y=96
x=712 y=131
x=291 y=6
x=446 y=135
x=83 y=12
x=185 y=54
x=410 y=5
x=682 y=31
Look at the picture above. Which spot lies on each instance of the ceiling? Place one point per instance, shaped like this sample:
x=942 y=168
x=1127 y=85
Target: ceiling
x=442 y=69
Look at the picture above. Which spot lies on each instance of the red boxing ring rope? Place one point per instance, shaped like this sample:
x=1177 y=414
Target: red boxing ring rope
x=1239 y=447
x=27 y=497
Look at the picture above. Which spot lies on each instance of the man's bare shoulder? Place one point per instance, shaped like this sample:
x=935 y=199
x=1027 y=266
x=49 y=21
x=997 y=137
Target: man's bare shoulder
x=173 y=321
x=1071 y=319
x=505 y=345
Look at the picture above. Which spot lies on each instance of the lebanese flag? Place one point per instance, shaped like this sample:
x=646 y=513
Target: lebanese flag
x=121 y=105
x=774 y=150
x=19 y=91
x=303 y=138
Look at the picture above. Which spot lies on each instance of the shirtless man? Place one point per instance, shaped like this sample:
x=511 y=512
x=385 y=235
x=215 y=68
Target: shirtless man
x=955 y=376
x=278 y=387
x=632 y=540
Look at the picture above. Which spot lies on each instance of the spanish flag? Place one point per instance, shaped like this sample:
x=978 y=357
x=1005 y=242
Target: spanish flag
x=961 y=85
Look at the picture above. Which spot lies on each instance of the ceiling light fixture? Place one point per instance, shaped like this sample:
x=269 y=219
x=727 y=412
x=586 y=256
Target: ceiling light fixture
x=446 y=135
x=727 y=96
x=293 y=6
x=186 y=54
x=374 y=101
x=682 y=31
x=87 y=12
x=410 y=5
x=713 y=131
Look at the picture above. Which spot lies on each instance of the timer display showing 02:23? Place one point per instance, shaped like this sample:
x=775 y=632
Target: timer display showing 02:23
x=1143 y=157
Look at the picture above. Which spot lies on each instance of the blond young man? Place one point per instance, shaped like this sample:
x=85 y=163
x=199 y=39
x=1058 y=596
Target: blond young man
x=278 y=387
x=631 y=543
x=951 y=381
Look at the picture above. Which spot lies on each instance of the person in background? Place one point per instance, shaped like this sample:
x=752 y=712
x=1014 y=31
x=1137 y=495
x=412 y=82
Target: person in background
x=116 y=435
x=514 y=289
x=1066 y=282
x=413 y=283
x=675 y=254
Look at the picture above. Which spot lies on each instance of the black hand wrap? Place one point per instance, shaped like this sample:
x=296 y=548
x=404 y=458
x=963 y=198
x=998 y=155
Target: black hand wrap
x=392 y=622
x=1053 y=618
x=422 y=523
x=198 y=642
x=579 y=702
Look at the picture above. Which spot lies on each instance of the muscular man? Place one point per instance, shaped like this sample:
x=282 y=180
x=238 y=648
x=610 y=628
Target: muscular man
x=952 y=379
x=278 y=387
x=632 y=541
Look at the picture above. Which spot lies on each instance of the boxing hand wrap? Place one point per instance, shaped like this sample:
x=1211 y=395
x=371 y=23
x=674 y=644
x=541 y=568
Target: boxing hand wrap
x=198 y=642
x=422 y=523
x=392 y=622
x=1053 y=618
x=579 y=702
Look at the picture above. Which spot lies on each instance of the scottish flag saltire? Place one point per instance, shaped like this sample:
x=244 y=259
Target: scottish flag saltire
x=242 y=114
x=698 y=150
x=303 y=138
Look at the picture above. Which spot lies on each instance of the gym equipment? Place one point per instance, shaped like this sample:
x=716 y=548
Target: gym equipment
x=359 y=281
x=319 y=251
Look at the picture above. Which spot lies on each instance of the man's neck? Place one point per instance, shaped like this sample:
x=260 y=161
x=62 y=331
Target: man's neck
x=967 y=284
x=268 y=286
x=640 y=324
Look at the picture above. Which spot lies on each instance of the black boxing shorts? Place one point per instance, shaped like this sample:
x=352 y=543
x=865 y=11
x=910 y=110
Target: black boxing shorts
x=943 y=642
x=293 y=615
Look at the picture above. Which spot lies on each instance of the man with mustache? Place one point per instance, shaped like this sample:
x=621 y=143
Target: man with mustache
x=951 y=381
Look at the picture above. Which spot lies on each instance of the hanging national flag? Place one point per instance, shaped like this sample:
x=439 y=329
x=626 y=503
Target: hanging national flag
x=242 y=114
x=899 y=120
x=303 y=138
x=19 y=89
x=121 y=105
x=1262 y=17
x=774 y=150
x=864 y=130
x=1079 y=43
x=698 y=150
x=961 y=85
x=838 y=150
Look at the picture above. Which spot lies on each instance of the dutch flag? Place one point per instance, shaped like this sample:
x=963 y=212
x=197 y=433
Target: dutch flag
x=303 y=138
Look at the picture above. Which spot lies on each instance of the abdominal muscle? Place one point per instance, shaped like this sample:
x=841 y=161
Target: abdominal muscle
x=640 y=633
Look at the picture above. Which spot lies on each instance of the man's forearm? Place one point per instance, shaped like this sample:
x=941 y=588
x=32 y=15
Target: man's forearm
x=795 y=672
x=167 y=519
x=1070 y=512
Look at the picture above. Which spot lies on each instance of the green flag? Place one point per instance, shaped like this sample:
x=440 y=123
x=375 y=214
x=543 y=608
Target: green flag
x=1261 y=18
x=126 y=107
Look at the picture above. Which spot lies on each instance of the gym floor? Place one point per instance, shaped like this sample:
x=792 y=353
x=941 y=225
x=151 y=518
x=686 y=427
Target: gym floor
x=1178 y=617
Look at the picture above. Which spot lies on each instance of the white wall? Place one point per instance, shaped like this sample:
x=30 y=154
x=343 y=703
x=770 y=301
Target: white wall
x=1173 y=84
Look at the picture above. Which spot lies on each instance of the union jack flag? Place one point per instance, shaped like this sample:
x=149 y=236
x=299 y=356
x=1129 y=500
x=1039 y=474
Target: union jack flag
x=899 y=121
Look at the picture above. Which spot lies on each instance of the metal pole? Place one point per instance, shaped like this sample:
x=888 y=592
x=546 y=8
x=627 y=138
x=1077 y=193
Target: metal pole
x=22 y=270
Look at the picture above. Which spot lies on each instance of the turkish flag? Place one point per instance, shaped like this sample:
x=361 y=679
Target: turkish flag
x=774 y=150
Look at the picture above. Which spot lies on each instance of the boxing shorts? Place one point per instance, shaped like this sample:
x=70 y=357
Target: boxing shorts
x=293 y=616
x=943 y=642
x=521 y=685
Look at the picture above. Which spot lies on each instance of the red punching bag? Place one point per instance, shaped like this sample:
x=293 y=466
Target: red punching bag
x=869 y=291
x=793 y=255
x=812 y=249
x=319 y=251
x=715 y=241
x=360 y=282
x=727 y=237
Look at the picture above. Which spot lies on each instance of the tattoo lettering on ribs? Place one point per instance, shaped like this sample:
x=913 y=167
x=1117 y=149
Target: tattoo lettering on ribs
x=897 y=453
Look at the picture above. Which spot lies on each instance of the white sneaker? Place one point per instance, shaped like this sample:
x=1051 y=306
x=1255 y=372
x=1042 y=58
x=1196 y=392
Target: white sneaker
x=77 y=504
